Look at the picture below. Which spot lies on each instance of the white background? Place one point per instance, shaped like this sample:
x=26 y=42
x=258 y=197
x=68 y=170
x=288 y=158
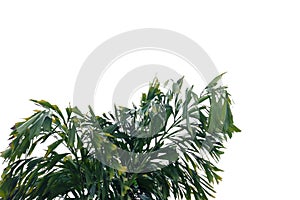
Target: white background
x=43 y=45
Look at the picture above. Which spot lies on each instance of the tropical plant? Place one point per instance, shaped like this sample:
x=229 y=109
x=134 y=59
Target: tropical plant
x=85 y=158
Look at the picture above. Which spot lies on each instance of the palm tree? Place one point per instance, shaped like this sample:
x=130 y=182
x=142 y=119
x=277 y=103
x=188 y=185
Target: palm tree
x=167 y=146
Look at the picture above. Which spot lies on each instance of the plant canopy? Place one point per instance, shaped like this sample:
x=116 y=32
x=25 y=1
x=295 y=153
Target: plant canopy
x=168 y=146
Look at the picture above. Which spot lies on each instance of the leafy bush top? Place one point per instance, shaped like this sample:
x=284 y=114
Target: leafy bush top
x=183 y=131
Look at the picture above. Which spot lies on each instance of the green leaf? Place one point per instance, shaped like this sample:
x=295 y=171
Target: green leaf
x=29 y=121
x=71 y=136
x=6 y=154
x=53 y=146
x=47 y=124
x=215 y=81
x=77 y=111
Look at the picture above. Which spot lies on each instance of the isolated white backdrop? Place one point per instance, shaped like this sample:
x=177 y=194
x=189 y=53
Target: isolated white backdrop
x=43 y=45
